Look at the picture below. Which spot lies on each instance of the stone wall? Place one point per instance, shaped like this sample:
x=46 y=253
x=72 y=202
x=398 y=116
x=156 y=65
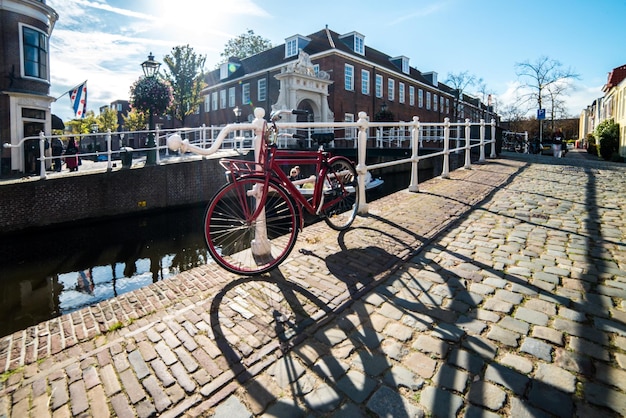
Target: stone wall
x=87 y=196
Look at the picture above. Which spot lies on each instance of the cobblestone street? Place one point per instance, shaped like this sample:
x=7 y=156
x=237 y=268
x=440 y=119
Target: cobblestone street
x=497 y=292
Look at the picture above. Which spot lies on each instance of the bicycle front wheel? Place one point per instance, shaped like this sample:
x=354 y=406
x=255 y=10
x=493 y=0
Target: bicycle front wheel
x=245 y=245
x=341 y=194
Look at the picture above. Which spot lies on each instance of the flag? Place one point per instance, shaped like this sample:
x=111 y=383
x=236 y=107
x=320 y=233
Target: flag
x=78 y=99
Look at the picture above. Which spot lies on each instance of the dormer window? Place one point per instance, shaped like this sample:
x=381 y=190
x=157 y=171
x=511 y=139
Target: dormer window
x=294 y=44
x=401 y=62
x=355 y=41
x=228 y=68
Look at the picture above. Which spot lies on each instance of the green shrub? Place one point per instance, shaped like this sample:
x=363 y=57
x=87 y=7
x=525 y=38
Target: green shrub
x=607 y=134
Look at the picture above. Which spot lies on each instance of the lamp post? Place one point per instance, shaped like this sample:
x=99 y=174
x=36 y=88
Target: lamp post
x=150 y=69
x=237 y=112
x=94 y=131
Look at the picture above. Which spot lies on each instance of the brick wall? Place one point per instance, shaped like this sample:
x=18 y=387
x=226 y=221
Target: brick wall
x=91 y=196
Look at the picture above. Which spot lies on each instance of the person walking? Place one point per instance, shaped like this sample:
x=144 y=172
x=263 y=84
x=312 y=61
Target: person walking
x=57 y=151
x=71 y=155
x=557 y=141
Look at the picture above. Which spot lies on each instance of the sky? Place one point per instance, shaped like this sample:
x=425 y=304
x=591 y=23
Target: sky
x=105 y=41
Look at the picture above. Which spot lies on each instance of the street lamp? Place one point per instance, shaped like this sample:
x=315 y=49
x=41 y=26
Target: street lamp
x=150 y=69
x=237 y=113
x=94 y=131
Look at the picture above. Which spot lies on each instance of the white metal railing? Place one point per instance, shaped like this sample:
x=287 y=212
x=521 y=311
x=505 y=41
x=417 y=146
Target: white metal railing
x=461 y=135
x=244 y=137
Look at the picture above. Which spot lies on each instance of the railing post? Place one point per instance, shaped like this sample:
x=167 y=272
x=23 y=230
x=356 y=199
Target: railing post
x=468 y=132
x=481 y=159
x=493 y=138
x=415 y=142
x=109 y=159
x=445 y=172
x=157 y=160
x=361 y=168
x=42 y=156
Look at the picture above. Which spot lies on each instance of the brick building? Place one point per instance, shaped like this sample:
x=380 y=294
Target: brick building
x=25 y=29
x=335 y=77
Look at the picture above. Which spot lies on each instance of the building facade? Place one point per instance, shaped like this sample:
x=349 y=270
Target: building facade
x=333 y=76
x=25 y=29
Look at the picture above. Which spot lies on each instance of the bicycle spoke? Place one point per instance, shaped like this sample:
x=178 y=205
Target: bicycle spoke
x=244 y=245
x=341 y=199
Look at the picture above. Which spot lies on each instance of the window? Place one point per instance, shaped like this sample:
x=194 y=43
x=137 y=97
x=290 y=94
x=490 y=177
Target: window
x=231 y=97
x=262 y=90
x=391 y=84
x=207 y=103
x=291 y=48
x=359 y=44
x=316 y=69
x=222 y=99
x=35 y=49
x=441 y=103
x=379 y=85
x=350 y=132
x=214 y=100
x=405 y=65
x=420 y=98
x=411 y=95
x=349 y=77
x=435 y=102
x=365 y=82
x=447 y=106
x=428 y=100
x=245 y=93
x=401 y=92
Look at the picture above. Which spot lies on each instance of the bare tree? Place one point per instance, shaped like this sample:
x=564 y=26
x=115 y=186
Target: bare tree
x=460 y=82
x=545 y=79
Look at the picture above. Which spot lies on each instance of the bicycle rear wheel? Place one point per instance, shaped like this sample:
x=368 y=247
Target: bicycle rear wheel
x=341 y=194
x=247 y=246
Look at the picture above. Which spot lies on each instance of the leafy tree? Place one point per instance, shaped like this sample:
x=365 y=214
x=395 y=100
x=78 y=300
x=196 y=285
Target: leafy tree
x=83 y=125
x=185 y=74
x=135 y=121
x=460 y=82
x=244 y=46
x=107 y=120
x=607 y=134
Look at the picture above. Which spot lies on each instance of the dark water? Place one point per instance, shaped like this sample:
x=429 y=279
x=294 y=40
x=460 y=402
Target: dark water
x=48 y=273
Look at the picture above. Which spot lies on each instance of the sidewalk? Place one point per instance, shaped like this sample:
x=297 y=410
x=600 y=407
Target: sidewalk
x=498 y=292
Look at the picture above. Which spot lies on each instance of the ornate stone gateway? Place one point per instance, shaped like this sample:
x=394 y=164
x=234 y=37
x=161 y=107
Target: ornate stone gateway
x=302 y=88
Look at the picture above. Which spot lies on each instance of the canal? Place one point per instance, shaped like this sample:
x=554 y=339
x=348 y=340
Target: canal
x=55 y=271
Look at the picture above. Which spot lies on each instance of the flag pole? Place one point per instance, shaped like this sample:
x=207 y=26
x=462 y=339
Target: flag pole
x=72 y=89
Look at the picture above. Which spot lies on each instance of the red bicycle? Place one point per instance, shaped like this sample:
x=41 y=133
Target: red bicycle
x=252 y=222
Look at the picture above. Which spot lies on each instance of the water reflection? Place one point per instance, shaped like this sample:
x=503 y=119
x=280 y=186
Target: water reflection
x=49 y=273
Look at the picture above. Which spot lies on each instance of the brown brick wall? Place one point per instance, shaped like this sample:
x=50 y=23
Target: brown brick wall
x=57 y=200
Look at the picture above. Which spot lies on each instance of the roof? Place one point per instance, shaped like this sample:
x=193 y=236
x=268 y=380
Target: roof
x=321 y=41
x=615 y=77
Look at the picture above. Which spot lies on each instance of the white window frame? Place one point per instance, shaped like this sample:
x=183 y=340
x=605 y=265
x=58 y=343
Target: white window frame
x=214 y=101
x=231 y=97
x=428 y=99
x=359 y=44
x=39 y=48
x=411 y=95
x=207 y=103
x=401 y=92
x=420 y=98
x=365 y=82
x=245 y=93
x=435 y=102
x=379 y=86
x=391 y=87
x=350 y=133
x=291 y=47
x=348 y=80
x=261 y=89
x=223 y=99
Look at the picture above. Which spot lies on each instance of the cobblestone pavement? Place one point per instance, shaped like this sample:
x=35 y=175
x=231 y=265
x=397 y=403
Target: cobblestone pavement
x=498 y=292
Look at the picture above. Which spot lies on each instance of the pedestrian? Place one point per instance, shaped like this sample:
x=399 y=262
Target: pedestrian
x=71 y=155
x=557 y=141
x=57 y=151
